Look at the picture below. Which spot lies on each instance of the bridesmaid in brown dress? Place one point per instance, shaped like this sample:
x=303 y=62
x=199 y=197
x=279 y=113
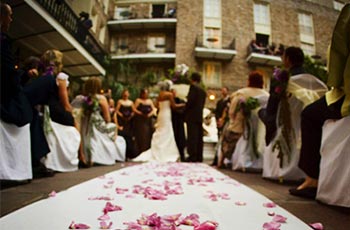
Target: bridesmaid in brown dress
x=143 y=126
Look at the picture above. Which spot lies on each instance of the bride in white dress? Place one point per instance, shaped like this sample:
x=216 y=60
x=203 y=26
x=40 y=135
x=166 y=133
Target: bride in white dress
x=163 y=145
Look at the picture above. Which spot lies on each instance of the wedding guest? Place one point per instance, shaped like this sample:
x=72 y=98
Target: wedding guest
x=334 y=105
x=221 y=117
x=235 y=126
x=194 y=119
x=110 y=101
x=124 y=112
x=177 y=119
x=144 y=111
x=293 y=60
x=17 y=103
x=31 y=63
x=101 y=142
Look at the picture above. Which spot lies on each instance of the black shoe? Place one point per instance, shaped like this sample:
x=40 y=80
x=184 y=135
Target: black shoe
x=309 y=192
x=42 y=171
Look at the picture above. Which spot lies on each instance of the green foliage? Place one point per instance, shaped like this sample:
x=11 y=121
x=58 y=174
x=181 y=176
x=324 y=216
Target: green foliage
x=117 y=89
x=246 y=106
x=149 y=79
x=315 y=68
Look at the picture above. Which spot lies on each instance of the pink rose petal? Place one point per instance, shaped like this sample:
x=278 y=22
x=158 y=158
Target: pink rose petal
x=73 y=225
x=191 y=220
x=240 y=203
x=317 y=226
x=104 y=217
x=208 y=225
x=104 y=225
x=52 y=194
x=279 y=219
x=111 y=208
x=269 y=205
x=133 y=226
x=271 y=213
x=271 y=226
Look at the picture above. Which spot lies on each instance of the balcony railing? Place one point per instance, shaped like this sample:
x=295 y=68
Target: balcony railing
x=70 y=21
x=142 y=53
x=216 y=47
x=264 y=56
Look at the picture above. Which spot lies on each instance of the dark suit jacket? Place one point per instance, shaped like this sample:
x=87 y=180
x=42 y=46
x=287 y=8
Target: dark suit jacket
x=14 y=105
x=195 y=104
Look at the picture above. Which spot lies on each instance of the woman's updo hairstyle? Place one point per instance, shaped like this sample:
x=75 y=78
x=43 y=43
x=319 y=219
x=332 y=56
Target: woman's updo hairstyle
x=165 y=85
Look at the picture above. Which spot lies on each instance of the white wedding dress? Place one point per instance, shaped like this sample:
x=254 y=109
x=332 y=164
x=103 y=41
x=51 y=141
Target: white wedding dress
x=163 y=145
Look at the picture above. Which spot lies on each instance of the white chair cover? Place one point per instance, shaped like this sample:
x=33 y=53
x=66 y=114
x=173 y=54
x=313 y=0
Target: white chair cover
x=334 y=179
x=15 y=153
x=242 y=157
x=64 y=144
x=97 y=144
x=305 y=89
x=104 y=150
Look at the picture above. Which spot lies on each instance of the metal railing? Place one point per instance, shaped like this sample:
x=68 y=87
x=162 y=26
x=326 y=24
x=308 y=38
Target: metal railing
x=70 y=21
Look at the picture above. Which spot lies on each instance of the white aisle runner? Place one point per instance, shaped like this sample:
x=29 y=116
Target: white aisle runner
x=164 y=189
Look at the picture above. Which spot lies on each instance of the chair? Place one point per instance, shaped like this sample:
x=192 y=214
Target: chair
x=304 y=89
x=15 y=157
x=243 y=157
x=334 y=179
x=64 y=144
x=288 y=169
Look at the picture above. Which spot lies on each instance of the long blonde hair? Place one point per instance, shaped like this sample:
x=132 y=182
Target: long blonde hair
x=52 y=59
x=92 y=86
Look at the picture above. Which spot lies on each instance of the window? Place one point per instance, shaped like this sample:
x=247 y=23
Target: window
x=119 y=45
x=262 y=22
x=306 y=30
x=212 y=24
x=156 y=43
x=158 y=10
x=212 y=37
x=212 y=74
x=338 y=5
x=212 y=8
x=308 y=49
x=121 y=13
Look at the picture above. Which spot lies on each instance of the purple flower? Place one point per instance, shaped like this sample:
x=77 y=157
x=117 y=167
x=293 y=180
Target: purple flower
x=278 y=89
x=283 y=76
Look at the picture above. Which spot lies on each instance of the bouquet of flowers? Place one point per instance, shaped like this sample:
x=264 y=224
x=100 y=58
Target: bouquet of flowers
x=90 y=104
x=279 y=82
x=246 y=106
x=179 y=74
x=283 y=142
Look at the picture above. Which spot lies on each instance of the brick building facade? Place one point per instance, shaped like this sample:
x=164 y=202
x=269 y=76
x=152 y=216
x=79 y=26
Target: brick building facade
x=213 y=36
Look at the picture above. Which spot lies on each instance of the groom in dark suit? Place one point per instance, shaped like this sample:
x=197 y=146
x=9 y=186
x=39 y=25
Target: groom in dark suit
x=194 y=119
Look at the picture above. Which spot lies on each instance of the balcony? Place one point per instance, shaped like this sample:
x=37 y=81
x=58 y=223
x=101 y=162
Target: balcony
x=264 y=55
x=213 y=48
x=146 y=57
x=155 y=50
x=143 y=23
x=264 y=59
x=40 y=25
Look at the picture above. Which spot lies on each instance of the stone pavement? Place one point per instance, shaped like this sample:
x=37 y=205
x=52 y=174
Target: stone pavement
x=309 y=211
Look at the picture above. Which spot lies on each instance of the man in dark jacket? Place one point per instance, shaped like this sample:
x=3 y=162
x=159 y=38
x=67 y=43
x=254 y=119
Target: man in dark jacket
x=17 y=104
x=194 y=119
